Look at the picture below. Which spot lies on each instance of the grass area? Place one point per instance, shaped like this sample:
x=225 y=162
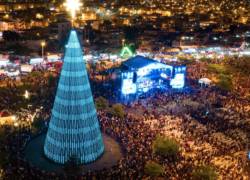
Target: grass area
x=186 y=60
x=225 y=82
x=241 y=65
x=223 y=74
x=218 y=68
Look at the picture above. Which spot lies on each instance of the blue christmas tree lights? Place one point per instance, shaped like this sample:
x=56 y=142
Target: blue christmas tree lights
x=74 y=128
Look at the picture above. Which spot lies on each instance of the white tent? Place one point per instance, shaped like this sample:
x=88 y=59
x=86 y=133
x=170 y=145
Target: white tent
x=53 y=58
x=13 y=74
x=26 y=68
x=34 y=61
x=205 y=81
x=4 y=60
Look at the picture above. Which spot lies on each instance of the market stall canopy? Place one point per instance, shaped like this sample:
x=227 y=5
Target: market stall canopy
x=205 y=81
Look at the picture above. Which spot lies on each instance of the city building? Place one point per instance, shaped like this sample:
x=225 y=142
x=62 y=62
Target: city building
x=59 y=30
x=17 y=5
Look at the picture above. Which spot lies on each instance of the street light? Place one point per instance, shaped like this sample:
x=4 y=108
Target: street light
x=43 y=44
x=26 y=94
x=16 y=124
x=13 y=118
x=1 y=173
x=123 y=42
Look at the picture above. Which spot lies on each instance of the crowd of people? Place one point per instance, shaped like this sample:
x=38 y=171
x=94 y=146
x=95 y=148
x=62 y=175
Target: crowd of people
x=211 y=126
x=205 y=138
x=214 y=133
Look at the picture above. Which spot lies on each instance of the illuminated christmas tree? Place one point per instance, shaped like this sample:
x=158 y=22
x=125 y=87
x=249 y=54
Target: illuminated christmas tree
x=74 y=128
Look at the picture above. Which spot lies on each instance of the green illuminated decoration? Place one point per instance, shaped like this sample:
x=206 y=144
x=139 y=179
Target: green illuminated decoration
x=126 y=52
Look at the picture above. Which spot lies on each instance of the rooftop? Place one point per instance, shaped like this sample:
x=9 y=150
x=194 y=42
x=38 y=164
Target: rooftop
x=138 y=62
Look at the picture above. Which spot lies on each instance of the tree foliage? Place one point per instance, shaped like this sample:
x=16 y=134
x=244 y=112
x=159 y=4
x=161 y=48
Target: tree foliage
x=240 y=64
x=101 y=103
x=117 y=110
x=153 y=169
x=52 y=81
x=204 y=173
x=38 y=124
x=225 y=82
x=165 y=147
x=11 y=36
x=223 y=73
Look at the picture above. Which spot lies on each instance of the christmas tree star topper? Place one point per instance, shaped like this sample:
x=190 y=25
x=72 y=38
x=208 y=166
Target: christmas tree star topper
x=73 y=6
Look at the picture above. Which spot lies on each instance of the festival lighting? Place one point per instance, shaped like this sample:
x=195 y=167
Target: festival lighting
x=163 y=75
x=13 y=73
x=43 y=44
x=4 y=62
x=245 y=53
x=126 y=51
x=34 y=61
x=13 y=118
x=16 y=124
x=146 y=89
x=53 y=58
x=6 y=16
x=26 y=94
x=128 y=87
x=140 y=78
x=73 y=6
x=74 y=128
x=148 y=69
x=178 y=82
x=39 y=16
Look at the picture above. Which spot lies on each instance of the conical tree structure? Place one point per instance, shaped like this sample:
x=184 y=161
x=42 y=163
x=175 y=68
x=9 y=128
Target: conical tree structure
x=74 y=128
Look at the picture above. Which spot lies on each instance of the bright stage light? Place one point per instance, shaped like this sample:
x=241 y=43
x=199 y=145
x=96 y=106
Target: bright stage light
x=72 y=6
x=178 y=82
x=128 y=87
x=163 y=75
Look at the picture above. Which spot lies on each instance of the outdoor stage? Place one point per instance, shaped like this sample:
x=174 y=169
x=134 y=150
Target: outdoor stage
x=35 y=155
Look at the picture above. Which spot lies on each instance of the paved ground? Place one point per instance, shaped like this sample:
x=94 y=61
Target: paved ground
x=34 y=154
